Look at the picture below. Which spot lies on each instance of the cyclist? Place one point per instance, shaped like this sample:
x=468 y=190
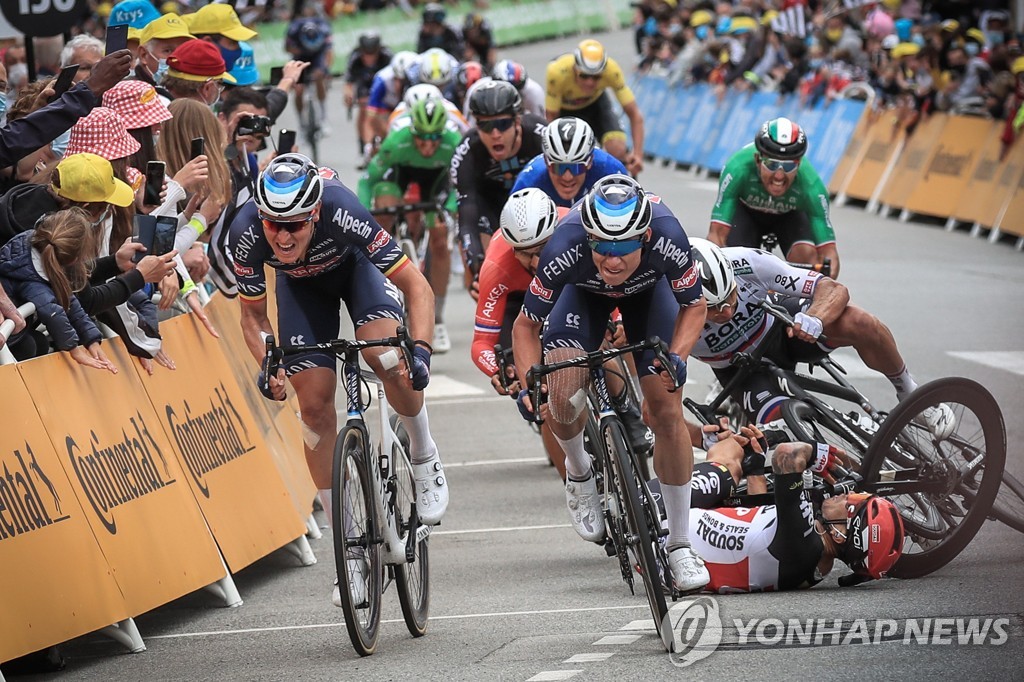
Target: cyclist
x=737 y=279
x=308 y=39
x=487 y=162
x=478 y=37
x=436 y=67
x=422 y=91
x=467 y=74
x=531 y=91
x=419 y=154
x=366 y=59
x=326 y=248
x=386 y=90
x=434 y=32
x=768 y=187
x=569 y=165
x=578 y=86
x=619 y=247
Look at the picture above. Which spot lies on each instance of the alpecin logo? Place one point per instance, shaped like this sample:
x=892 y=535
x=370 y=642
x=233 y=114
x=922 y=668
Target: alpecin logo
x=28 y=500
x=118 y=473
x=209 y=440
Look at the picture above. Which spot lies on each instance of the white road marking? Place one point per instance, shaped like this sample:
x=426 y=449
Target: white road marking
x=617 y=639
x=854 y=366
x=1009 y=360
x=441 y=386
x=474 y=399
x=549 y=675
x=496 y=462
x=642 y=624
x=593 y=657
x=498 y=530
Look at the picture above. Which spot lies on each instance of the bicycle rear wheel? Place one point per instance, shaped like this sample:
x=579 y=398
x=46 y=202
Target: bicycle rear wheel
x=412 y=579
x=1009 y=503
x=356 y=550
x=967 y=464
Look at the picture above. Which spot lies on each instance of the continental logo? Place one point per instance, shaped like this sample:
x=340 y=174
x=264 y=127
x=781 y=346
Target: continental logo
x=115 y=474
x=986 y=169
x=208 y=440
x=915 y=158
x=945 y=163
x=878 y=151
x=28 y=501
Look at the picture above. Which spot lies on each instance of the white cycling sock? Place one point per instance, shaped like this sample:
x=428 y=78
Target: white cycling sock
x=326 y=501
x=903 y=382
x=421 y=445
x=577 y=461
x=677 y=508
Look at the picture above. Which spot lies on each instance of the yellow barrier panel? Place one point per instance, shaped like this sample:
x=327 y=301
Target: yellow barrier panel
x=1010 y=186
x=981 y=198
x=57 y=584
x=917 y=154
x=126 y=477
x=950 y=166
x=882 y=140
x=225 y=459
x=853 y=153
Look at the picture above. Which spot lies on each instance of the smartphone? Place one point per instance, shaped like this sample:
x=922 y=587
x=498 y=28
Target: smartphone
x=276 y=74
x=163 y=238
x=143 y=232
x=117 y=38
x=198 y=148
x=154 y=183
x=285 y=141
x=64 y=80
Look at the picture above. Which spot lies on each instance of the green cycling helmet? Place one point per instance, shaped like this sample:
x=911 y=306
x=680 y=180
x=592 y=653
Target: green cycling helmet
x=428 y=116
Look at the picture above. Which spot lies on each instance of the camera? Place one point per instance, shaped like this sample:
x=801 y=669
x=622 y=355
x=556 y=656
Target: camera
x=253 y=125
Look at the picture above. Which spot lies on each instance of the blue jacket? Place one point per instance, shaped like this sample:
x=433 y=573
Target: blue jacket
x=24 y=284
x=535 y=174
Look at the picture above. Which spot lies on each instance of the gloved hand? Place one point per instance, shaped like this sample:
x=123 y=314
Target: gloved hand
x=825 y=456
x=678 y=368
x=809 y=324
x=521 y=404
x=264 y=385
x=420 y=368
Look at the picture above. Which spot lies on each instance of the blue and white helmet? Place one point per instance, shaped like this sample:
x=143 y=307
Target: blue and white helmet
x=291 y=185
x=616 y=209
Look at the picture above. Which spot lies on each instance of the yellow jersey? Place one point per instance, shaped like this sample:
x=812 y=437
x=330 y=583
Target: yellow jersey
x=563 y=94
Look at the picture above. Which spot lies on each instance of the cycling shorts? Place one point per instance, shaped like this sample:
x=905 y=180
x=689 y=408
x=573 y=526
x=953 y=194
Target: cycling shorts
x=579 y=320
x=749 y=226
x=309 y=308
x=317 y=64
x=710 y=484
x=602 y=117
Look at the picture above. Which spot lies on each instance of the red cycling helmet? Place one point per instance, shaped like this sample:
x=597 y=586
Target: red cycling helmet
x=468 y=73
x=875 y=539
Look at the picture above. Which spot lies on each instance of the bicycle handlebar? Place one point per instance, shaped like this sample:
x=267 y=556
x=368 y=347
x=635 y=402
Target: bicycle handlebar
x=781 y=314
x=341 y=347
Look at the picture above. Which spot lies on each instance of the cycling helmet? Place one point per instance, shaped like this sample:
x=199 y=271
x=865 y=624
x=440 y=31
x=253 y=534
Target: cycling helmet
x=435 y=67
x=402 y=62
x=616 y=209
x=312 y=37
x=716 y=275
x=468 y=73
x=495 y=98
x=434 y=13
x=291 y=185
x=590 y=57
x=421 y=92
x=875 y=539
x=473 y=20
x=508 y=70
x=428 y=116
x=568 y=140
x=369 y=42
x=528 y=218
x=781 y=139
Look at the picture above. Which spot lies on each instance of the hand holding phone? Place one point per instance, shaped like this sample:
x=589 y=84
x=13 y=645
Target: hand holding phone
x=117 y=38
x=276 y=74
x=143 y=232
x=198 y=148
x=154 y=183
x=285 y=141
x=163 y=238
x=64 y=80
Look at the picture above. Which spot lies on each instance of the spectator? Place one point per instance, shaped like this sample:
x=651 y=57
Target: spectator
x=143 y=113
x=84 y=50
x=33 y=167
x=159 y=39
x=195 y=70
x=135 y=13
x=434 y=32
x=17 y=68
x=220 y=26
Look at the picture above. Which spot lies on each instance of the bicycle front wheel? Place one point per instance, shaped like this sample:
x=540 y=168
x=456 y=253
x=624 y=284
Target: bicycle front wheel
x=966 y=464
x=412 y=579
x=356 y=550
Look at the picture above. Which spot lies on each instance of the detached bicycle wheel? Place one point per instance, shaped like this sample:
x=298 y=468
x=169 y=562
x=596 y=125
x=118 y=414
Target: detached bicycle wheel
x=356 y=550
x=965 y=465
x=412 y=579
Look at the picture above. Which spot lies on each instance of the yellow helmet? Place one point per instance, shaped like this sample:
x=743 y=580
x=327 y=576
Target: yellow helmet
x=590 y=57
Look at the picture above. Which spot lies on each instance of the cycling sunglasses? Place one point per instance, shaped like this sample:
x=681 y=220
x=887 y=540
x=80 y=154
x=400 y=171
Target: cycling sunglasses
x=772 y=165
x=289 y=226
x=588 y=76
x=499 y=124
x=727 y=303
x=622 y=248
x=576 y=169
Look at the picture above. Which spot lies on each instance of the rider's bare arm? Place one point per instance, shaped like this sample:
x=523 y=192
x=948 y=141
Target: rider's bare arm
x=689 y=325
x=830 y=251
x=636 y=128
x=718 y=233
x=419 y=299
x=254 y=321
x=829 y=301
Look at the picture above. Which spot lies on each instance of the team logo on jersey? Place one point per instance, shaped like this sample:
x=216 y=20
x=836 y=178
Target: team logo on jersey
x=538 y=290
x=243 y=271
x=812 y=277
x=379 y=241
x=688 y=279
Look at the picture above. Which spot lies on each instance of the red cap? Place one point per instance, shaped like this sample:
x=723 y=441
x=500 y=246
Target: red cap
x=197 y=60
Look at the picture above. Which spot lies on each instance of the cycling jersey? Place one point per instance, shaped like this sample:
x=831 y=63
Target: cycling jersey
x=361 y=75
x=532 y=94
x=400 y=118
x=309 y=40
x=536 y=175
x=740 y=183
x=449 y=90
x=385 y=91
x=564 y=95
x=501 y=277
x=398 y=163
x=484 y=184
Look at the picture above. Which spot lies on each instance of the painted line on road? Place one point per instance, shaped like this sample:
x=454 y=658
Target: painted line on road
x=592 y=657
x=616 y=639
x=431 y=402
x=642 y=624
x=442 y=386
x=551 y=675
x=498 y=530
x=1009 y=360
x=496 y=462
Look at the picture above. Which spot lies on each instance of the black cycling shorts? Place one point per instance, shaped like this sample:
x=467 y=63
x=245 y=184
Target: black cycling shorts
x=601 y=116
x=710 y=484
x=750 y=226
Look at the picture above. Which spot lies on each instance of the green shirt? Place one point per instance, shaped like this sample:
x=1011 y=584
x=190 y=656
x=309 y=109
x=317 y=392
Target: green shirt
x=398 y=156
x=740 y=181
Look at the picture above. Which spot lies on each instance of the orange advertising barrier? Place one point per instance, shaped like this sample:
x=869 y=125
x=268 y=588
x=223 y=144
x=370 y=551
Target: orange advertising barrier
x=882 y=141
x=982 y=196
x=126 y=477
x=853 y=153
x=949 y=167
x=57 y=584
x=220 y=448
x=916 y=156
x=1010 y=185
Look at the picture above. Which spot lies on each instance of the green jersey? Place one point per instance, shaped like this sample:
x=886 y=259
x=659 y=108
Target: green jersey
x=741 y=182
x=399 y=162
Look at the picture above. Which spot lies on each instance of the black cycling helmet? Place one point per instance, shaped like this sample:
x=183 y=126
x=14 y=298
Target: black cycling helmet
x=434 y=13
x=781 y=138
x=369 y=41
x=495 y=98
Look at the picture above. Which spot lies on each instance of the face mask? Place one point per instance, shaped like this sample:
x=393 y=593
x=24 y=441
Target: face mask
x=972 y=49
x=994 y=38
x=60 y=145
x=17 y=74
x=816 y=63
x=917 y=39
x=103 y=216
x=161 y=71
x=230 y=56
x=3 y=106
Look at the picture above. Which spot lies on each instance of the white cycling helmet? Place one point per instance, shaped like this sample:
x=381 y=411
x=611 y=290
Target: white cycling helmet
x=616 y=209
x=528 y=218
x=291 y=185
x=402 y=62
x=568 y=140
x=716 y=274
x=436 y=67
x=421 y=92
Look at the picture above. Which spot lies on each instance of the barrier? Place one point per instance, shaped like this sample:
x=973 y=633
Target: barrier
x=910 y=165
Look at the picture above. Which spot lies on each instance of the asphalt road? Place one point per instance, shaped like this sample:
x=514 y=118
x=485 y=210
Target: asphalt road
x=518 y=596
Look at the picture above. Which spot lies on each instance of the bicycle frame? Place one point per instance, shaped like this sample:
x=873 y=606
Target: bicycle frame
x=401 y=232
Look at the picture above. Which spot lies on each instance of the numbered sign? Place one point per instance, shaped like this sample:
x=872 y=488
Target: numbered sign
x=44 y=17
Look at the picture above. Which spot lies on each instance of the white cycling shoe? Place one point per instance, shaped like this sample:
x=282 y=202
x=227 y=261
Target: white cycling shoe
x=584 y=505
x=357 y=578
x=688 y=571
x=442 y=343
x=431 y=491
x=939 y=420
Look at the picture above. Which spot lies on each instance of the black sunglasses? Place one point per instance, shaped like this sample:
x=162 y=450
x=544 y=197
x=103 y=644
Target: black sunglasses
x=499 y=124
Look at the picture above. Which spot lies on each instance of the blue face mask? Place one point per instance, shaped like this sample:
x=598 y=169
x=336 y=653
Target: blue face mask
x=917 y=39
x=3 y=105
x=161 y=71
x=60 y=145
x=972 y=49
x=994 y=37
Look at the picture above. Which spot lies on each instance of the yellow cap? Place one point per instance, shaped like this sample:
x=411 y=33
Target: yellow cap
x=905 y=50
x=892 y=4
x=976 y=35
x=950 y=25
x=700 y=17
x=87 y=178
x=742 y=24
x=768 y=17
x=166 y=27
x=1017 y=67
x=218 y=20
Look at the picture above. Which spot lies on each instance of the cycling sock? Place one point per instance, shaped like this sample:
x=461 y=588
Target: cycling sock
x=326 y=501
x=577 y=461
x=421 y=444
x=677 y=509
x=903 y=382
x=439 y=309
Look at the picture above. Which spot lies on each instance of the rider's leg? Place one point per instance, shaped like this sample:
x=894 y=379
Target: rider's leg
x=321 y=79
x=567 y=401
x=553 y=449
x=440 y=265
x=616 y=146
x=802 y=252
x=299 y=88
x=315 y=389
x=874 y=343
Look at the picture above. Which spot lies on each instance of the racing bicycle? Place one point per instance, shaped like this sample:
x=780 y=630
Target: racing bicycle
x=414 y=247
x=378 y=539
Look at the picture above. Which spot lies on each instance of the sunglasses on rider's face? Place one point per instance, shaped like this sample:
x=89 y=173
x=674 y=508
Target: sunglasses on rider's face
x=729 y=302
x=499 y=124
x=622 y=248
x=772 y=165
x=428 y=137
x=588 y=76
x=575 y=169
x=529 y=251
x=289 y=226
